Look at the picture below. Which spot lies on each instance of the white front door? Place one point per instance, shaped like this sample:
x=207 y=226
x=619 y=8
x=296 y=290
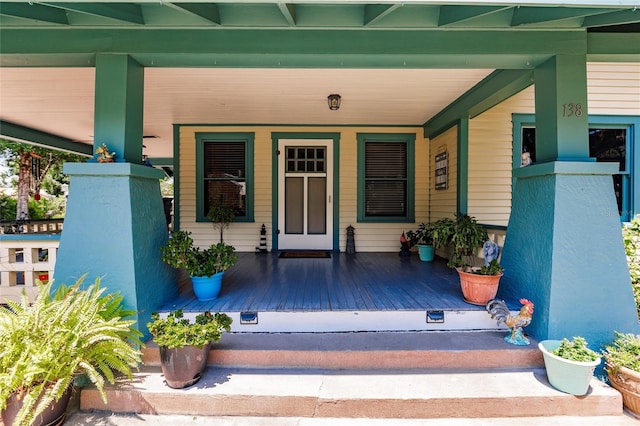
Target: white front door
x=305 y=193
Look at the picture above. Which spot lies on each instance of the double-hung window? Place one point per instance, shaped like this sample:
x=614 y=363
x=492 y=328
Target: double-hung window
x=386 y=177
x=224 y=173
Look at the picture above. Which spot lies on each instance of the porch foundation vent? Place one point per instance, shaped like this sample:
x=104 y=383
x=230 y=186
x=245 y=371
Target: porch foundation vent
x=248 y=317
x=435 y=316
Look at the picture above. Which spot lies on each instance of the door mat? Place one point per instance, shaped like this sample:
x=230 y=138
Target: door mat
x=305 y=255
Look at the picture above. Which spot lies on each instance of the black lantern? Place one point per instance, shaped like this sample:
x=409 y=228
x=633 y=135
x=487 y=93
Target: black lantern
x=334 y=102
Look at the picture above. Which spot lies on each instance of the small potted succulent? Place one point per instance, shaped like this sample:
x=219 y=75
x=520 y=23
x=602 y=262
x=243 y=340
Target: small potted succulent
x=622 y=364
x=205 y=266
x=184 y=345
x=569 y=363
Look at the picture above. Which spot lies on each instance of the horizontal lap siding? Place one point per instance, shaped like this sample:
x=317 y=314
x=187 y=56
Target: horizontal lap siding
x=614 y=88
x=371 y=237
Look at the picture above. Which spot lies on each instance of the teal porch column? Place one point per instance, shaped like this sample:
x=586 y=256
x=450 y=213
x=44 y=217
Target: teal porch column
x=115 y=224
x=564 y=248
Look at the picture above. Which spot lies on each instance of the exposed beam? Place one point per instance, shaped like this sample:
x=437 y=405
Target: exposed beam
x=613 y=18
x=375 y=12
x=537 y=15
x=495 y=88
x=35 y=11
x=126 y=12
x=627 y=47
x=208 y=11
x=289 y=12
x=457 y=14
x=36 y=137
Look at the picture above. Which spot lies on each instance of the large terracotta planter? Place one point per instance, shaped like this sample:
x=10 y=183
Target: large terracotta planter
x=627 y=382
x=54 y=415
x=568 y=376
x=183 y=367
x=478 y=289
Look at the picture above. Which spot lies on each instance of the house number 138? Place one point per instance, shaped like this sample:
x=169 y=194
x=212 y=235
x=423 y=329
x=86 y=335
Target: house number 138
x=571 y=110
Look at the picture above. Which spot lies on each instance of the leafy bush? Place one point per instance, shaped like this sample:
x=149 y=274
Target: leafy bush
x=180 y=252
x=575 y=350
x=623 y=352
x=631 y=238
x=175 y=331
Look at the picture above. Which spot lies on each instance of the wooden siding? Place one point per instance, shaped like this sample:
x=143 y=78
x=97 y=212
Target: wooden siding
x=613 y=89
x=444 y=202
x=370 y=237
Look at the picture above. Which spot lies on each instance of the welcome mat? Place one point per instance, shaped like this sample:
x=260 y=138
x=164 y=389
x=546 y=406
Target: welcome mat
x=305 y=255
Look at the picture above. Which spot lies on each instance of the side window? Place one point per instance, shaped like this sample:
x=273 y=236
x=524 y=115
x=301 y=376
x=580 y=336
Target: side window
x=224 y=173
x=385 y=177
x=607 y=143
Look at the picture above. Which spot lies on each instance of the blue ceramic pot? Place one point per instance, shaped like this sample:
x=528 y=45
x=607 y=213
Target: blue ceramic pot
x=207 y=288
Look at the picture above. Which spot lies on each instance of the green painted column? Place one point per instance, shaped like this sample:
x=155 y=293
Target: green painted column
x=119 y=96
x=115 y=223
x=564 y=248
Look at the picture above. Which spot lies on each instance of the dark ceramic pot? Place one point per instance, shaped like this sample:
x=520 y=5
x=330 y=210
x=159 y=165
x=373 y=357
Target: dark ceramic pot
x=183 y=366
x=53 y=416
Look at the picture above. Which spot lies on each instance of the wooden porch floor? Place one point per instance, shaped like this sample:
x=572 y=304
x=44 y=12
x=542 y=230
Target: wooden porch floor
x=356 y=282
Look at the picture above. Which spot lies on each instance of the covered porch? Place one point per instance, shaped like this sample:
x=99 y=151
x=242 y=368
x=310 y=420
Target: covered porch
x=346 y=292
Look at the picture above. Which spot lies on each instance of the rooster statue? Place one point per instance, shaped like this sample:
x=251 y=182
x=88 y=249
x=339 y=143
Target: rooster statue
x=499 y=312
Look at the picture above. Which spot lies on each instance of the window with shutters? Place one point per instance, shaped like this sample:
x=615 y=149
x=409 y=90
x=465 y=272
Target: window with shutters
x=224 y=173
x=386 y=177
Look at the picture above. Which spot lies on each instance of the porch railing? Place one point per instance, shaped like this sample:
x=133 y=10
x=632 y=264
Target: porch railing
x=28 y=252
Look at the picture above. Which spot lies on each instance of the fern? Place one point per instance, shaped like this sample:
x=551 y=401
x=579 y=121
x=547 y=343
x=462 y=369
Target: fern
x=61 y=336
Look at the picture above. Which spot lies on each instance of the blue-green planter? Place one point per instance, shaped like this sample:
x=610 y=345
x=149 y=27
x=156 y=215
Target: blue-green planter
x=207 y=288
x=565 y=375
x=426 y=252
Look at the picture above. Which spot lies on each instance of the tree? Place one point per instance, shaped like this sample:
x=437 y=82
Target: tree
x=36 y=167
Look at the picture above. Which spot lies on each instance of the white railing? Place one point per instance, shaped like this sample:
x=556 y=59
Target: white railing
x=25 y=260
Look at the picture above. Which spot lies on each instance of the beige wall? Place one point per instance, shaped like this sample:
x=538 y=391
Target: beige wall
x=443 y=202
x=373 y=237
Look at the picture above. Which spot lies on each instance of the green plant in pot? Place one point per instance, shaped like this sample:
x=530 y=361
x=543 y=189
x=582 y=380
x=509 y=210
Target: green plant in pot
x=61 y=336
x=184 y=345
x=205 y=266
x=622 y=364
x=569 y=364
x=479 y=284
x=423 y=239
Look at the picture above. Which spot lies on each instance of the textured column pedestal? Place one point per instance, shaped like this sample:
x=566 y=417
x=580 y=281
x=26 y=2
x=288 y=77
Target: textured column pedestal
x=114 y=228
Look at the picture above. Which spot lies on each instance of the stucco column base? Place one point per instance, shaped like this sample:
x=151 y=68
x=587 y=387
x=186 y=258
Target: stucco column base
x=564 y=252
x=113 y=229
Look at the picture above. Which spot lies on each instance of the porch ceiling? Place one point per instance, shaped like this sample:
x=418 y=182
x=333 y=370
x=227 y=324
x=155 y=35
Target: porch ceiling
x=272 y=62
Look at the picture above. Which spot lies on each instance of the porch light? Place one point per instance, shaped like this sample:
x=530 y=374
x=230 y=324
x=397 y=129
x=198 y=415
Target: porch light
x=334 y=102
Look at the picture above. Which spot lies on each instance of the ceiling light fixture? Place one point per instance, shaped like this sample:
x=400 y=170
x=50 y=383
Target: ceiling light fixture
x=334 y=102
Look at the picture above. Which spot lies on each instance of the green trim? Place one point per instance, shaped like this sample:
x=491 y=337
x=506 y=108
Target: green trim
x=463 y=166
x=613 y=47
x=275 y=137
x=161 y=161
x=340 y=125
x=30 y=237
x=492 y=90
x=176 y=177
x=112 y=169
x=409 y=139
x=630 y=123
x=36 y=137
x=248 y=139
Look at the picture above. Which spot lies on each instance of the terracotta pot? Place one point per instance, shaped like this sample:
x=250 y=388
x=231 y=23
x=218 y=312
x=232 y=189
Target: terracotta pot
x=183 y=367
x=53 y=416
x=627 y=382
x=478 y=289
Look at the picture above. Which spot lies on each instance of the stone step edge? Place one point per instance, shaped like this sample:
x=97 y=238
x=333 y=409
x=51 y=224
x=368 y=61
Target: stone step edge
x=372 y=394
x=385 y=350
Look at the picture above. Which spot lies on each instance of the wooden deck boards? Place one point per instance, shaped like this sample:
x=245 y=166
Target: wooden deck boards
x=360 y=282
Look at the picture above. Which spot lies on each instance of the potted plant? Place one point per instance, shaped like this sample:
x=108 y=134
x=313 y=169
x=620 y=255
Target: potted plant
x=479 y=284
x=184 y=345
x=48 y=344
x=205 y=266
x=622 y=364
x=221 y=215
x=423 y=239
x=569 y=363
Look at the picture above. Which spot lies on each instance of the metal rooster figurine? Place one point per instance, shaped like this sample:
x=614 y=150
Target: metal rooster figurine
x=499 y=312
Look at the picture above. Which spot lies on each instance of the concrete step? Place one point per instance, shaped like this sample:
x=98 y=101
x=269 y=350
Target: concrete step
x=373 y=394
x=485 y=350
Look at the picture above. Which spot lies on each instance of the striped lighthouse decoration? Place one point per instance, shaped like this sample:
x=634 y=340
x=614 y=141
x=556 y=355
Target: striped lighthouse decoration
x=263 y=239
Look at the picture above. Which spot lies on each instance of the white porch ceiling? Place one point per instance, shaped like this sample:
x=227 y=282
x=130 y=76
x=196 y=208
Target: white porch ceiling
x=60 y=101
